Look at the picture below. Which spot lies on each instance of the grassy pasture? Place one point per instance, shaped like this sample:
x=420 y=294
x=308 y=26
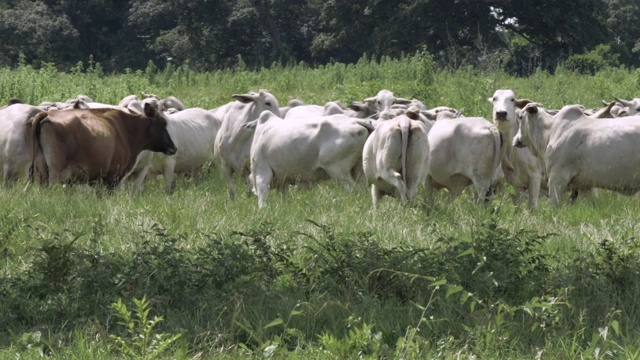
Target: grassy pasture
x=317 y=273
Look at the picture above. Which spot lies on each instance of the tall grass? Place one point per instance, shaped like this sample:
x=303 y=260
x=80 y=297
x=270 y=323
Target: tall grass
x=318 y=273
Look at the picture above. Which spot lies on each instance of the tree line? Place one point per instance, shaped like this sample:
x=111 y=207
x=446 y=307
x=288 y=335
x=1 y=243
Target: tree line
x=517 y=36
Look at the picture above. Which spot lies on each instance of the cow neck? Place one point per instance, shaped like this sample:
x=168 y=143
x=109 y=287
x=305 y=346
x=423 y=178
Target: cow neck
x=509 y=129
x=540 y=131
x=137 y=134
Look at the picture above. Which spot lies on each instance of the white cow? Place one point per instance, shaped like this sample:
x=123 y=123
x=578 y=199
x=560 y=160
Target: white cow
x=384 y=100
x=395 y=157
x=127 y=100
x=15 y=155
x=233 y=142
x=306 y=111
x=373 y=106
x=193 y=132
x=582 y=152
x=293 y=103
x=631 y=108
x=522 y=170
x=462 y=151
x=286 y=151
x=170 y=104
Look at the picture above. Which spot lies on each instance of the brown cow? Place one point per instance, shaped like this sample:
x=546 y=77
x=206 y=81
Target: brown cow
x=93 y=145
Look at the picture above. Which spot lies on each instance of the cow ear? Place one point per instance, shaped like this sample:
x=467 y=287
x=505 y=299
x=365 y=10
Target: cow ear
x=531 y=109
x=431 y=115
x=413 y=114
x=370 y=100
x=357 y=106
x=521 y=103
x=244 y=98
x=402 y=101
x=490 y=100
x=150 y=110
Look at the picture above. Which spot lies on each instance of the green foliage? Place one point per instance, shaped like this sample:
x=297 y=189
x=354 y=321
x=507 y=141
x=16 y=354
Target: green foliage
x=496 y=264
x=594 y=61
x=211 y=35
x=361 y=340
x=140 y=339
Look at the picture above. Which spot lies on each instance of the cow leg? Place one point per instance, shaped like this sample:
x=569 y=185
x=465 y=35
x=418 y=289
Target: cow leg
x=227 y=171
x=112 y=183
x=534 y=191
x=429 y=190
x=482 y=188
x=8 y=174
x=557 y=187
x=138 y=187
x=169 y=170
x=250 y=187
x=395 y=179
x=343 y=176
x=262 y=179
x=375 y=195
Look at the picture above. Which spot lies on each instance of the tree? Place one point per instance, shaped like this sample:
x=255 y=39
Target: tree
x=554 y=29
x=30 y=31
x=623 y=23
x=99 y=25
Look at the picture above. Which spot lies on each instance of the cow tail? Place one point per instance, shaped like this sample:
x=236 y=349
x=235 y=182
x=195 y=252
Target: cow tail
x=404 y=134
x=34 y=136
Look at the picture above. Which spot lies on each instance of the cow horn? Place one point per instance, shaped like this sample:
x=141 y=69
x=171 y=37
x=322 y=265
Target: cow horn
x=624 y=102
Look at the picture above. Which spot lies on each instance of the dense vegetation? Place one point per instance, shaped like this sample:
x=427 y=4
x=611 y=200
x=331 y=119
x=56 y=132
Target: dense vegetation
x=317 y=274
x=515 y=36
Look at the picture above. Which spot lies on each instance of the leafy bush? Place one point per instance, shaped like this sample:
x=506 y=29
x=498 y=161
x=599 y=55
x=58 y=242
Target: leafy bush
x=593 y=61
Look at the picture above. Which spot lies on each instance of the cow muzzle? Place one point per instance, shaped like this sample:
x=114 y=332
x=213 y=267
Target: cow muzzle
x=171 y=150
x=501 y=115
x=518 y=143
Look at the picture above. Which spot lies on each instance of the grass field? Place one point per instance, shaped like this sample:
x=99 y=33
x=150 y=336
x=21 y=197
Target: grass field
x=317 y=273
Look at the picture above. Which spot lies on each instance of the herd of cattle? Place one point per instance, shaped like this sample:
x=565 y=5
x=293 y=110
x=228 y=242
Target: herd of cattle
x=397 y=144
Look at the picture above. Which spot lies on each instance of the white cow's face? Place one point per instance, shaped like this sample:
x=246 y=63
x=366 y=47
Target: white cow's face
x=631 y=108
x=504 y=105
x=266 y=101
x=634 y=108
x=526 y=118
x=518 y=140
x=382 y=101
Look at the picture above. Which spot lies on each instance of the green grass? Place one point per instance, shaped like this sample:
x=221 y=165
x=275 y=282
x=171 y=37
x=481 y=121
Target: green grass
x=318 y=272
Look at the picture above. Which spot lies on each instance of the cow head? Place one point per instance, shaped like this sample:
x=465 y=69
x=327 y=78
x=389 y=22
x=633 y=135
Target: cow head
x=260 y=101
x=505 y=105
x=632 y=107
x=384 y=100
x=160 y=139
x=360 y=110
x=525 y=117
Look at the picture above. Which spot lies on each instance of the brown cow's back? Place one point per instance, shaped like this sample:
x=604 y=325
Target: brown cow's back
x=90 y=145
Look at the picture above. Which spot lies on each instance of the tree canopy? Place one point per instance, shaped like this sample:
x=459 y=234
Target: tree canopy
x=518 y=36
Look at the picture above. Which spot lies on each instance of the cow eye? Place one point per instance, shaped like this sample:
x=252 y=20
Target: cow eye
x=494 y=99
x=268 y=103
x=512 y=99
